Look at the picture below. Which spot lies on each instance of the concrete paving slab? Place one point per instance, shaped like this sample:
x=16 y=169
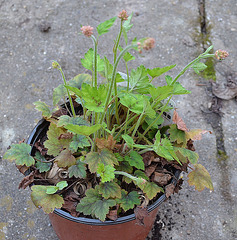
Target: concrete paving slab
x=35 y=32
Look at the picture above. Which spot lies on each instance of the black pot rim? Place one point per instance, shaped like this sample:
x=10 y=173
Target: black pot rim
x=41 y=125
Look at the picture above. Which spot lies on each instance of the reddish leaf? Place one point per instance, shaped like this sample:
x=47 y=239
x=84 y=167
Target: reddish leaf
x=196 y=134
x=106 y=143
x=179 y=122
x=26 y=181
x=169 y=190
x=161 y=178
x=140 y=213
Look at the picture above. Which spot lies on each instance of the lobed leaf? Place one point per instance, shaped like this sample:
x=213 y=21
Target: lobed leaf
x=78 y=141
x=54 y=144
x=78 y=170
x=83 y=130
x=20 y=153
x=156 y=72
x=93 y=159
x=65 y=120
x=198 y=67
x=192 y=156
x=196 y=134
x=135 y=160
x=151 y=189
x=109 y=190
x=200 y=178
x=128 y=201
x=40 y=164
x=178 y=89
x=104 y=27
x=48 y=202
x=106 y=172
x=44 y=108
x=177 y=135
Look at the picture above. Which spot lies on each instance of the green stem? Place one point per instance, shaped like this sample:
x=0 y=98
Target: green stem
x=127 y=76
x=117 y=42
x=65 y=83
x=135 y=179
x=94 y=84
x=126 y=122
x=137 y=125
x=113 y=80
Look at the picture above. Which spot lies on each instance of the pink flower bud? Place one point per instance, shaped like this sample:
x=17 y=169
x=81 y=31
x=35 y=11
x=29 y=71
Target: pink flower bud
x=123 y=15
x=87 y=30
x=221 y=54
x=149 y=43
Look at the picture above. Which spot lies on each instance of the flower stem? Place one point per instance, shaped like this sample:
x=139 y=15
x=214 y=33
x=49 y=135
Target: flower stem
x=94 y=83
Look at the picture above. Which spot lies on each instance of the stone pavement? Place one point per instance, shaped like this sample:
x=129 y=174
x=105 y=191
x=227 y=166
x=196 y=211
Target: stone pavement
x=35 y=32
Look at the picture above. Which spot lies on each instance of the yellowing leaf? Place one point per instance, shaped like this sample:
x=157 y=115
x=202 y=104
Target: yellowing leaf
x=150 y=189
x=83 y=130
x=95 y=158
x=200 y=178
x=196 y=134
x=48 y=202
x=44 y=108
x=106 y=143
x=54 y=144
x=177 y=135
x=20 y=153
x=106 y=172
x=65 y=159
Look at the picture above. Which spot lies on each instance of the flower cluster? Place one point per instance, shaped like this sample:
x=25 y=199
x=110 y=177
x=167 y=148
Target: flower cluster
x=221 y=54
x=87 y=30
x=123 y=15
x=148 y=44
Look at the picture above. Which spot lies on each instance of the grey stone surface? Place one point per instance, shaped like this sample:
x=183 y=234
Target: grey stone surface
x=33 y=32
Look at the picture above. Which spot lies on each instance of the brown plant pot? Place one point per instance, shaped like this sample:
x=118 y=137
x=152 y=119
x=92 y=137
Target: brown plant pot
x=68 y=227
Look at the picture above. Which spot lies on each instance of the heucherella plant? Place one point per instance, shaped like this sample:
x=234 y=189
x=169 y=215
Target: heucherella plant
x=109 y=147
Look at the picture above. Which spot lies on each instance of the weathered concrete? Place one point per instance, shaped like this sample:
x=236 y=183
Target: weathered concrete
x=26 y=53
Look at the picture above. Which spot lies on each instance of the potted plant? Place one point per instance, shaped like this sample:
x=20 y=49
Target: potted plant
x=101 y=163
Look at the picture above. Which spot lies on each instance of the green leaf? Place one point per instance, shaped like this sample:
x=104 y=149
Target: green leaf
x=44 y=108
x=164 y=148
x=134 y=102
x=65 y=159
x=126 y=27
x=54 y=144
x=88 y=60
x=105 y=26
x=135 y=160
x=93 y=204
x=51 y=189
x=93 y=159
x=177 y=135
x=20 y=153
x=40 y=164
x=156 y=72
x=139 y=81
x=127 y=56
x=130 y=143
x=61 y=185
x=150 y=189
x=61 y=92
x=83 y=130
x=109 y=190
x=48 y=202
x=160 y=93
x=178 y=89
x=94 y=97
x=78 y=141
x=78 y=170
x=105 y=172
x=128 y=201
x=198 y=67
x=65 y=120
x=200 y=178
x=141 y=174
x=192 y=156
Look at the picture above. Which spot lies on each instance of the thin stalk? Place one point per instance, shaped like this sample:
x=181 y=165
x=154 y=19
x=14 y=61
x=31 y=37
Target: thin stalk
x=137 y=125
x=126 y=122
x=113 y=80
x=94 y=84
x=117 y=41
x=127 y=76
x=69 y=96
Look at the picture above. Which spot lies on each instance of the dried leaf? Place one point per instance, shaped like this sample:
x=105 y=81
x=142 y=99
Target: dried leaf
x=70 y=203
x=26 y=181
x=161 y=178
x=169 y=190
x=179 y=122
x=200 y=178
x=65 y=159
x=113 y=213
x=65 y=136
x=150 y=169
x=196 y=134
x=148 y=158
x=40 y=147
x=106 y=143
x=140 y=213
